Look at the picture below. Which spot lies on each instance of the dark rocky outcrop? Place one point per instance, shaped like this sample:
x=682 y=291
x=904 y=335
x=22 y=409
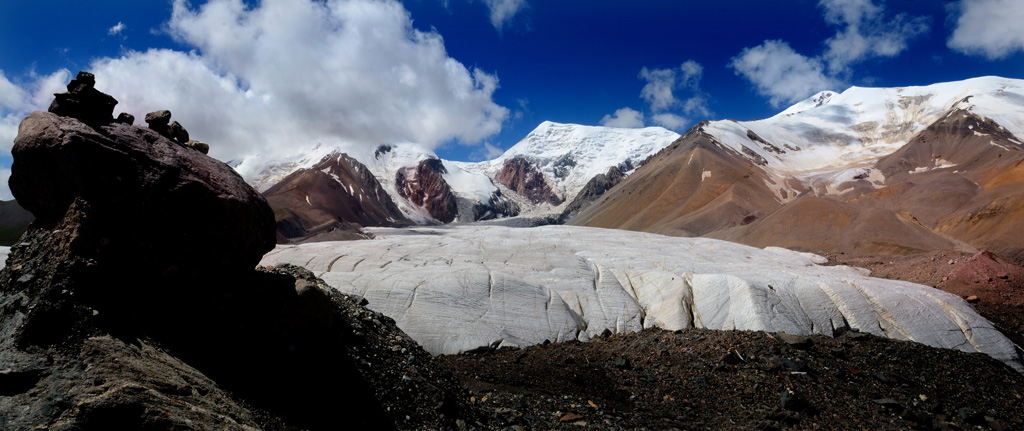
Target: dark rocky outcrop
x=331 y=200
x=132 y=302
x=522 y=177
x=594 y=189
x=498 y=206
x=153 y=200
x=425 y=187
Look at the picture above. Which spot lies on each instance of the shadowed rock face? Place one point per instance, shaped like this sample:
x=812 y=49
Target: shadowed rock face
x=522 y=177
x=594 y=189
x=339 y=194
x=425 y=187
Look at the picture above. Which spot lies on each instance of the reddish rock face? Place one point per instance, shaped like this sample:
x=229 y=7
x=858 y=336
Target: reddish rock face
x=330 y=198
x=522 y=177
x=424 y=186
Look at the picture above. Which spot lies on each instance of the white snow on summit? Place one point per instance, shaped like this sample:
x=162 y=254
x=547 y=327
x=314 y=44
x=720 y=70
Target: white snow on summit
x=571 y=155
x=832 y=131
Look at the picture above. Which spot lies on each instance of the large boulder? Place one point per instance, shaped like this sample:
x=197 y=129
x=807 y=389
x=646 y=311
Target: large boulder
x=161 y=207
x=133 y=301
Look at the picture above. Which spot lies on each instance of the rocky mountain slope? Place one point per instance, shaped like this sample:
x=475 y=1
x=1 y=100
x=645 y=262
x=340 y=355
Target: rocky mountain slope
x=331 y=199
x=540 y=175
x=455 y=289
x=891 y=171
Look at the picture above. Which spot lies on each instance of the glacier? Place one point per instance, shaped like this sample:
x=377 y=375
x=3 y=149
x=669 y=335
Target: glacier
x=457 y=288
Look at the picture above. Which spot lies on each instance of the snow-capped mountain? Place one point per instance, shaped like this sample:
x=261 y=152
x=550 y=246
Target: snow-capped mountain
x=829 y=136
x=539 y=175
x=871 y=170
x=568 y=155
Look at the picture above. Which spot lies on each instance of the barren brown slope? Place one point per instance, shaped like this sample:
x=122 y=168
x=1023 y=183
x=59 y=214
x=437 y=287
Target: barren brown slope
x=958 y=185
x=984 y=179
x=693 y=187
x=338 y=194
x=824 y=225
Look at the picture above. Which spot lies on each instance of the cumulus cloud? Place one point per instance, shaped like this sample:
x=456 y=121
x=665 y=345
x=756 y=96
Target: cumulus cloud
x=864 y=32
x=266 y=79
x=17 y=101
x=780 y=73
x=658 y=92
x=662 y=91
x=670 y=121
x=502 y=11
x=989 y=28
x=625 y=117
x=116 y=29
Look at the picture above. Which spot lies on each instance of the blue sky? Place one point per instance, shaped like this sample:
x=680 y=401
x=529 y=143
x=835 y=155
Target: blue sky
x=469 y=78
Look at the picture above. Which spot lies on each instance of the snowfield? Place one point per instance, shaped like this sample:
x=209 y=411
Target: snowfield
x=457 y=288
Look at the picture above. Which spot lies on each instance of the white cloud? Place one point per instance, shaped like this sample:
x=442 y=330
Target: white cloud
x=662 y=85
x=780 y=73
x=487 y=152
x=625 y=118
x=670 y=121
x=116 y=29
x=502 y=11
x=786 y=76
x=18 y=101
x=692 y=73
x=990 y=28
x=286 y=74
x=864 y=32
x=658 y=92
x=5 y=192
x=11 y=96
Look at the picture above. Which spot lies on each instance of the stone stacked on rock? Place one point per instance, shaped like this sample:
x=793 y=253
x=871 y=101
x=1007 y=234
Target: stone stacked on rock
x=160 y=121
x=84 y=102
x=125 y=118
x=198 y=146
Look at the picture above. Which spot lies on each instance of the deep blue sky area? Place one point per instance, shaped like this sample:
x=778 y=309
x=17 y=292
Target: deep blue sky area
x=572 y=61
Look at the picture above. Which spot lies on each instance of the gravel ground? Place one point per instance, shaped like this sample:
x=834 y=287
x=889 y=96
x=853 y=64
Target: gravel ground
x=703 y=379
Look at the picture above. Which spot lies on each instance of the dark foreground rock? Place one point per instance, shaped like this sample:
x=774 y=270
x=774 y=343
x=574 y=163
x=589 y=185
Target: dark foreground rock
x=132 y=302
x=739 y=380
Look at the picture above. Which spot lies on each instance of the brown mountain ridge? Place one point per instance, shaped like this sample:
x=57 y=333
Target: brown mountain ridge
x=957 y=185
